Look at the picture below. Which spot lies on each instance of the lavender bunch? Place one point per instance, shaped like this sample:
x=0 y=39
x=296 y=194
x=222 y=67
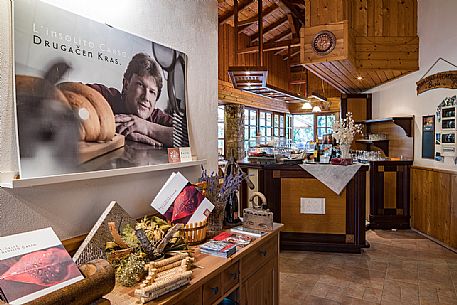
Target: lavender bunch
x=230 y=185
x=211 y=185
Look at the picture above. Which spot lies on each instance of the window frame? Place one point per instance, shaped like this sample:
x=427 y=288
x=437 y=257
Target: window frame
x=223 y=122
x=315 y=127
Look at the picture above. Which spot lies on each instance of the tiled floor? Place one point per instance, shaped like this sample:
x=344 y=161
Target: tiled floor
x=400 y=268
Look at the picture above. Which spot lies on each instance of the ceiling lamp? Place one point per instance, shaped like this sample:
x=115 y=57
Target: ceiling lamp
x=316 y=108
x=307 y=106
x=319 y=97
x=247 y=78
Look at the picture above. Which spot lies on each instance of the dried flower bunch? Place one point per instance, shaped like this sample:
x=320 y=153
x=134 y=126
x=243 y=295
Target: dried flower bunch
x=134 y=247
x=217 y=192
x=344 y=131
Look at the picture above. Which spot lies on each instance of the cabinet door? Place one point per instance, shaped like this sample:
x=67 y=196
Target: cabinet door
x=262 y=287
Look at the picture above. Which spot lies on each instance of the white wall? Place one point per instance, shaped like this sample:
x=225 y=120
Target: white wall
x=438 y=38
x=72 y=208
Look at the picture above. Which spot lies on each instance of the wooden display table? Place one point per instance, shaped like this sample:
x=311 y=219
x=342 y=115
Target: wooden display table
x=249 y=277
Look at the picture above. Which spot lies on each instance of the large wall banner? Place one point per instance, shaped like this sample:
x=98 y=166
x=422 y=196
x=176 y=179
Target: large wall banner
x=91 y=97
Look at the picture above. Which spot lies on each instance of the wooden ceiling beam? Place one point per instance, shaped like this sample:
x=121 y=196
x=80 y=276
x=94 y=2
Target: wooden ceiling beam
x=284 y=50
x=230 y=14
x=292 y=26
x=271 y=27
x=292 y=55
x=289 y=9
x=271 y=46
x=280 y=36
x=265 y=13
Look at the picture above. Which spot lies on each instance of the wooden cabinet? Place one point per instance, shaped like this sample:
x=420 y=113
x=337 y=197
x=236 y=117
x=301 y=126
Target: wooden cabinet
x=212 y=290
x=193 y=298
x=248 y=277
x=261 y=288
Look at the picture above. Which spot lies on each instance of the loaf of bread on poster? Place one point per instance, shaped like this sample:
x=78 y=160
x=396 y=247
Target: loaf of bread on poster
x=100 y=125
x=95 y=115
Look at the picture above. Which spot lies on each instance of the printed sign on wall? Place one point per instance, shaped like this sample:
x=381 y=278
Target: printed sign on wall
x=91 y=97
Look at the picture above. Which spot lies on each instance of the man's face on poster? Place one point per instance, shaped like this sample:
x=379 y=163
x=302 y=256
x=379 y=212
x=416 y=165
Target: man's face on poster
x=141 y=95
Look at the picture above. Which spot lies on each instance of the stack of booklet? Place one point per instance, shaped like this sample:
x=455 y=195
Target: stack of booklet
x=181 y=202
x=248 y=231
x=225 y=244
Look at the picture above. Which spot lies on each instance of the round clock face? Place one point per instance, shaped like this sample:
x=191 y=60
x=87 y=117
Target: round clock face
x=324 y=42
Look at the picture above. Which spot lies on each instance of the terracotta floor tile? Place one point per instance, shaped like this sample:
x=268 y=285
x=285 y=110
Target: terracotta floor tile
x=372 y=295
x=313 y=300
x=400 y=268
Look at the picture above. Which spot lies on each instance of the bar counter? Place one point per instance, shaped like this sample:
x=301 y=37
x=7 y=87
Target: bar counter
x=340 y=227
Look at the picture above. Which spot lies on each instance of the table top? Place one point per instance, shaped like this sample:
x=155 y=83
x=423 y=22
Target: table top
x=207 y=265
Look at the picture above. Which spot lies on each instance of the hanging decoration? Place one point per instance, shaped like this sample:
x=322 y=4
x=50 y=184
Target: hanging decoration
x=446 y=79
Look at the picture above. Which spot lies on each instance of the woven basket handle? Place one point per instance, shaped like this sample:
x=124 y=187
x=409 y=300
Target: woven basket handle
x=258 y=205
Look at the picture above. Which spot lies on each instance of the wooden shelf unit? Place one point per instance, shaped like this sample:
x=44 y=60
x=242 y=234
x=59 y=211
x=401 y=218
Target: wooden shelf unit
x=405 y=122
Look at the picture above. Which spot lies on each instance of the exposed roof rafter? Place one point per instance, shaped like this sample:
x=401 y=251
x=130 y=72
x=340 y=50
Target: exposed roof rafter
x=241 y=6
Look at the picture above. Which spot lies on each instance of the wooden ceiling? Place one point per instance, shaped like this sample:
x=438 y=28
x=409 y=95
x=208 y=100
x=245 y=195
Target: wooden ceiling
x=376 y=40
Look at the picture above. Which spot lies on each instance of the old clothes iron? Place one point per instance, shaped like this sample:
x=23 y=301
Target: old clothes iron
x=256 y=217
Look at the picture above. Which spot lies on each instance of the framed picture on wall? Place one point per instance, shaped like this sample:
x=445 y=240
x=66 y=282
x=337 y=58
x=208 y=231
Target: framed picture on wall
x=91 y=97
x=428 y=137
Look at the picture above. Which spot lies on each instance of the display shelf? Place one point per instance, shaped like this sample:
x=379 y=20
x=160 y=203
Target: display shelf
x=381 y=144
x=404 y=122
x=28 y=182
x=371 y=141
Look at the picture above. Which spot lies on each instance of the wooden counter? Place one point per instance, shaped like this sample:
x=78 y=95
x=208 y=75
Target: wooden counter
x=249 y=277
x=340 y=229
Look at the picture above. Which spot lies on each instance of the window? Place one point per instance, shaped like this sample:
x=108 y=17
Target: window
x=309 y=127
x=220 y=130
x=250 y=126
x=289 y=135
x=324 y=124
x=303 y=129
x=265 y=125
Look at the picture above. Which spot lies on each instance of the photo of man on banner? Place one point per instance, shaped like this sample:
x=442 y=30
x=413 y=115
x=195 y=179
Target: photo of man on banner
x=134 y=108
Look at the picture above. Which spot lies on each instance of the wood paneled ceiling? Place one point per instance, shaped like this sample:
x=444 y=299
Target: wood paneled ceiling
x=282 y=20
x=378 y=41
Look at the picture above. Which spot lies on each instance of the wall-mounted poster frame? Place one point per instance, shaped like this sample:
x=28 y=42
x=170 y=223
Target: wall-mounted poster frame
x=428 y=136
x=90 y=97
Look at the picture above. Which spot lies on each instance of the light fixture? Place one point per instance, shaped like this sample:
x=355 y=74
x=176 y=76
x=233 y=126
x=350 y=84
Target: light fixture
x=307 y=106
x=316 y=109
x=319 y=97
x=359 y=77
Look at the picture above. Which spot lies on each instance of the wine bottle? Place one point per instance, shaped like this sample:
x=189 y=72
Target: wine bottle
x=318 y=152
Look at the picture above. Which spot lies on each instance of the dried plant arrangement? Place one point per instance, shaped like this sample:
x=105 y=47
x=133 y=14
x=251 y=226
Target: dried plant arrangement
x=218 y=189
x=133 y=248
x=164 y=276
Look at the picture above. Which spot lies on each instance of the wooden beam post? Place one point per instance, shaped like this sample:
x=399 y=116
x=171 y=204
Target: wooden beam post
x=260 y=25
x=230 y=14
x=235 y=33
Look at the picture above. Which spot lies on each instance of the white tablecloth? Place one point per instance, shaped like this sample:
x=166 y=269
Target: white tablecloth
x=335 y=177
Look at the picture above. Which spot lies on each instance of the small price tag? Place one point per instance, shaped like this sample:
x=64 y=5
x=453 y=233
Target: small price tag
x=174 y=155
x=185 y=154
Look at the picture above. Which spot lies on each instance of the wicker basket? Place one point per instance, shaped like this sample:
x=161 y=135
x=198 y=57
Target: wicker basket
x=195 y=233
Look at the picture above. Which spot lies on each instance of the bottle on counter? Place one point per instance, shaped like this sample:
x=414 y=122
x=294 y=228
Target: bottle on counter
x=231 y=206
x=317 y=152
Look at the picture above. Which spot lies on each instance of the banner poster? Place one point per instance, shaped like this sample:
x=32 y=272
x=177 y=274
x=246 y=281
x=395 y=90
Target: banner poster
x=91 y=97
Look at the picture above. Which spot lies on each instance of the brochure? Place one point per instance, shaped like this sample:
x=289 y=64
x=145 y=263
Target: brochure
x=181 y=202
x=248 y=231
x=218 y=248
x=33 y=264
x=240 y=240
